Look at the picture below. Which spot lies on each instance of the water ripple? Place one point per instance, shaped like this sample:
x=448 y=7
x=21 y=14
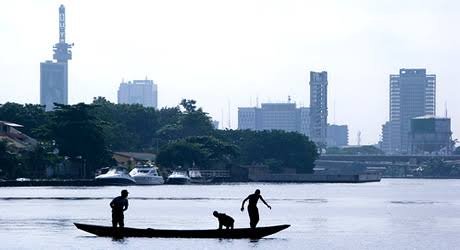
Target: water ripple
x=12 y=198
x=405 y=202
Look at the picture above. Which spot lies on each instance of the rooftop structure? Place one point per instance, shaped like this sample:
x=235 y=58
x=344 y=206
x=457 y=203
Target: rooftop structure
x=54 y=75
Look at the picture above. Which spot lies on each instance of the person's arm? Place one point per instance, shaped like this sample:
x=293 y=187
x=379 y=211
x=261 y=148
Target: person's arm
x=262 y=199
x=126 y=206
x=242 y=204
x=220 y=224
x=112 y=203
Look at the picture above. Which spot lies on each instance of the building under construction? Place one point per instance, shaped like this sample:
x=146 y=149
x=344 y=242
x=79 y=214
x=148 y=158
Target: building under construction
x=430 y=135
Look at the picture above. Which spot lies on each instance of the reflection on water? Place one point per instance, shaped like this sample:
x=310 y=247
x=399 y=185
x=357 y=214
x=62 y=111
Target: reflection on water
x=392 y=214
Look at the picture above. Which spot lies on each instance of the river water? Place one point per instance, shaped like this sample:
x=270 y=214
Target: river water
x=391 y=214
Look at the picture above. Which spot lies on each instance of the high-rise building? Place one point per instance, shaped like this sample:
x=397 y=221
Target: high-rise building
x=305 y=121
x=412 y=94
x=249 y=118
x=144 y=92
x=54 y=75
x=274 y=116
x=386 y=137
x=337 y=135
x=318 y=108
x=281 y=116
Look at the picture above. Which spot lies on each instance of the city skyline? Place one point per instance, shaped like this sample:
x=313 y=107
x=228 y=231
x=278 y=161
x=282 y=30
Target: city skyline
x=212 y=53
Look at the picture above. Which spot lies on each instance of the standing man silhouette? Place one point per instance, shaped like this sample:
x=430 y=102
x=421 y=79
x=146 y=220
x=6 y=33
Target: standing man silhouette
x=119 y=205
x=252 y=207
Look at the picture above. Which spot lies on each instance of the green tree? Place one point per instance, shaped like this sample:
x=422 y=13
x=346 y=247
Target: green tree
x=181 y=153
x=191 y=122
x=79 y=135
x=8 y=162
x=217 y=151
x=276 y=148
x=188 y=105
x=31 y=116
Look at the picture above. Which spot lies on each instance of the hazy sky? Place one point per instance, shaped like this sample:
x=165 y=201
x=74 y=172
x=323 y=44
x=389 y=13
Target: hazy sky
x=226 y=53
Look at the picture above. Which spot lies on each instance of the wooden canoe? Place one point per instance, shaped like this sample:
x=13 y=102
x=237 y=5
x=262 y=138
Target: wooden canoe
x=237 y=233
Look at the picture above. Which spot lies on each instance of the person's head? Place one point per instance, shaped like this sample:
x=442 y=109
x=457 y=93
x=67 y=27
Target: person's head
x=257 y=191
x=215 y=213
x=124 y=193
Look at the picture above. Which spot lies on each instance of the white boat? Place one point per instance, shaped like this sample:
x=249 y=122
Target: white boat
x=116 y=176
x=196 y=177
x=146 y=175
x=178 y=177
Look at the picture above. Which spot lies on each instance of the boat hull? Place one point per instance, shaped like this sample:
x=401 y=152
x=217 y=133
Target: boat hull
x=148 y=180
x=237 y=233
x=115 y=181
x=178 y=181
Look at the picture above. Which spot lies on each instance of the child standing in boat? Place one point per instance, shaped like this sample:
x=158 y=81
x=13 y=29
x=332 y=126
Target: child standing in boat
x=119 y=205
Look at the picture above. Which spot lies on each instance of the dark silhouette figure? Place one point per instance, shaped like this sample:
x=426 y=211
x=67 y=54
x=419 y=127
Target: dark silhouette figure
x=119 y=205
x=252 y=207
x=224 y=220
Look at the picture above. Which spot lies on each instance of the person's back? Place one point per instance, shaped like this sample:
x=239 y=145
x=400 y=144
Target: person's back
x=118 y=204
x=224 y=220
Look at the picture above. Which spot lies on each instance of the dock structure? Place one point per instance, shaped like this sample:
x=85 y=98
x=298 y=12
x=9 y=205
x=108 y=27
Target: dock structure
x=318 y=178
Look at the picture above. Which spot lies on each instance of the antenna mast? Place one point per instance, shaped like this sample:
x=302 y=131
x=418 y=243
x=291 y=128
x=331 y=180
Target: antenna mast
x=61 y=49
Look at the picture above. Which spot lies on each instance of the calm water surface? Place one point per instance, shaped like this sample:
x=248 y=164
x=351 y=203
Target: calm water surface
x=392 y=214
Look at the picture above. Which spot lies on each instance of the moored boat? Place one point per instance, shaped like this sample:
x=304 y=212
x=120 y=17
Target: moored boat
x=178 y=177
x=237 y=233
x=146 y=175
x=116 y=176
x=197 y=178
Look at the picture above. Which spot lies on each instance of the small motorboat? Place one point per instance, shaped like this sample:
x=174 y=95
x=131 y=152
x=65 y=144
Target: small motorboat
x=237 y=233
x=197 y=178
x=146 y=175
x=116 y=176
x=178 y=177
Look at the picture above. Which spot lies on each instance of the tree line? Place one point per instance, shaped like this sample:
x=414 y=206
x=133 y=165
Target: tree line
x=180 y=136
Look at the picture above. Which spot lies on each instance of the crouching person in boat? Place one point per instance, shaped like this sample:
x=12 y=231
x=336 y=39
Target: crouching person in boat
x=119 y=205
x=224 y=220
x=253 y=211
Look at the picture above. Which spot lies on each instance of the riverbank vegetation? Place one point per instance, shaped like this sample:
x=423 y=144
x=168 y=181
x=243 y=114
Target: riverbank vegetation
x=88 y=134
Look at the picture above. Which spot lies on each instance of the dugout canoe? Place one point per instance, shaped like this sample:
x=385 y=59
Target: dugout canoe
x=237 y=233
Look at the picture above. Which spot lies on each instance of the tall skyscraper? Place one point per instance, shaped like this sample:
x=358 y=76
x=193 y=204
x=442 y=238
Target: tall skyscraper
x=144 y=92
x=54 y=75
x=318 y=108
x=412 y=94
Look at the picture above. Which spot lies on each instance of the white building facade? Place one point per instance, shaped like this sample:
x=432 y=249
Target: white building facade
x=144 y=92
